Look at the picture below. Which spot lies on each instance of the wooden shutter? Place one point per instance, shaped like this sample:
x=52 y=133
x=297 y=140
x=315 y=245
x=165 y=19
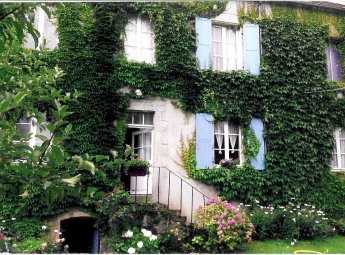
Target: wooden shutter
x=257 y=126
x=251 y=48
x=203 y=29
x=204 y=140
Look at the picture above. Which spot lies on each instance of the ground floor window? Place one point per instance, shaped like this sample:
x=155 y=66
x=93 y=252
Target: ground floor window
x=338 y=159
x=227 y=142
x=139 y=135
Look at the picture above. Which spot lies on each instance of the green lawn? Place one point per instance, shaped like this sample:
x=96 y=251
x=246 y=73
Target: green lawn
x=325 y=245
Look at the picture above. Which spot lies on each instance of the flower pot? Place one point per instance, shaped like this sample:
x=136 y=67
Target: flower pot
x=136 y=172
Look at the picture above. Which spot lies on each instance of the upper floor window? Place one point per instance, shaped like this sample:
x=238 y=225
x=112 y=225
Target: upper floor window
x=47 y=28
x=139 y=42
x=227 y=142
x=338 y=159
x=226 y=48
x=333 y=63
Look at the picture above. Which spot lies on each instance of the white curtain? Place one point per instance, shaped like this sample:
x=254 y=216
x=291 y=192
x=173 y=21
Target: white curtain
x=233 y=131
x=219 y=130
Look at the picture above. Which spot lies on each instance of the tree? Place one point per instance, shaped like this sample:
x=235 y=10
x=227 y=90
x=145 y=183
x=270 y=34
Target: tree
x=28 y=90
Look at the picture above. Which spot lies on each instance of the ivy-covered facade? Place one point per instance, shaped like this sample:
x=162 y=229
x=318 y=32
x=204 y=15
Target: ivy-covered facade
x=190 y=84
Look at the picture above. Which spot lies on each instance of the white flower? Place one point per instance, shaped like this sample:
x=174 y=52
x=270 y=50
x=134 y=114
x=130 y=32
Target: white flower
x=44 y=227
x=146 y=233
x=3 y=221
x=299 y=213
x=317 y=221
x=257 y=201
x=138 y=92
x=292 y=243
x=241 y=204
x=294 y=219
x=56 y=231
x=247 y=205
x=62 y=240
x=266 y=212
x=140 y=244
x=13 y=218
x=153 y=237
x=128 y=234
x=215 y=7
x=14 y=245
x=131 y=250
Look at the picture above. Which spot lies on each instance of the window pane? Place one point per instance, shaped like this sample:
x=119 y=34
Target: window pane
x=148 y=118
x=342 y=133
x=342 y=146
x=147 y=55
x=145 y=25
x=218 y=156
x=235 y=155
x=146 y=40
x=137 y=141
x=129 y=118
x=233 y=128
x=233 y=142
x=217 y=49
x=147 y=139
x=138 y=118
x=147 y=153
x=342 y=161
x=231 y=49
x=334 y=161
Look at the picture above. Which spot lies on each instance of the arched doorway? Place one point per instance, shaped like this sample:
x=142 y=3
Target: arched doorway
x=80 y=235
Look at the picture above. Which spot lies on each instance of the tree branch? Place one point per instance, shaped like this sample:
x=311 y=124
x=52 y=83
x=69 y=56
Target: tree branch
x=3 y=16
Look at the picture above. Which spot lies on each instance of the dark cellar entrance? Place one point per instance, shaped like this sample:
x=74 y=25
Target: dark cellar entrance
x=80 y=235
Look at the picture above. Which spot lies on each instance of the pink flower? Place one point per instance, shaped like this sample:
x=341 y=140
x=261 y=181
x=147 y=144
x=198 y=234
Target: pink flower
x=202 y=212
x=215 y=217
x=251 y=225
x=235 y=234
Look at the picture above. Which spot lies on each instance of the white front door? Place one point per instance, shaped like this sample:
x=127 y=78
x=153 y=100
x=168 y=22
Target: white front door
x=142 y=148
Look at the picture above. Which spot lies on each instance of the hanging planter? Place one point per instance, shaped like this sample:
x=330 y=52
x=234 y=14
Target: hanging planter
x=136 y=167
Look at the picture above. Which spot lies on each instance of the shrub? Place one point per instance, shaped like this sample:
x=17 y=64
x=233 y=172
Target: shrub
x=141 y=242
x=226 y=226
x=290 y=221
x=33 y=245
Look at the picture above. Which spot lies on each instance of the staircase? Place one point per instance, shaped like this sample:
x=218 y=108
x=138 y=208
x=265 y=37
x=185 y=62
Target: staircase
x=173 y=192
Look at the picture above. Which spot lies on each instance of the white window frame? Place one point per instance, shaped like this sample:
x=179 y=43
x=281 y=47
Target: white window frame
x=133 y=125
x=226 y=143
x=225 y=51
x=138 y=55
x=338 y=151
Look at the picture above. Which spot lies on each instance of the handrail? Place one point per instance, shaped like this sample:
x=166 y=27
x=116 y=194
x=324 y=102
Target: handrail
x=180 y=181
x=180 y=177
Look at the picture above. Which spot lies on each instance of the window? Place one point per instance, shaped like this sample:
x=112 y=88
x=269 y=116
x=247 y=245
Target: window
x=226 y=48
x=139 y=43
x=338 y=159
x=140 y=119
x=227 y=142
x=47 y=28
x=333 y=63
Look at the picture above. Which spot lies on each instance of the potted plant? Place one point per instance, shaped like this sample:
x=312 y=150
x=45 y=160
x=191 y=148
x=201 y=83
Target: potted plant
x=132 y=166
x=136 y=167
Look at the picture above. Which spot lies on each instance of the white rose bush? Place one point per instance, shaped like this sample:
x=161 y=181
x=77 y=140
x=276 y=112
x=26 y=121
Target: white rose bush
x=137 y=241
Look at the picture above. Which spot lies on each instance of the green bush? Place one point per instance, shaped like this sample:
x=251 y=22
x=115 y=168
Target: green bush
x=291 y=221
x=139 y=242
x=24 y=228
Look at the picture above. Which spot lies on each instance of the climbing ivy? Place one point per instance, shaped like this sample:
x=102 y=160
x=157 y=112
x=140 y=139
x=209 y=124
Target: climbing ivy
x=299 y=124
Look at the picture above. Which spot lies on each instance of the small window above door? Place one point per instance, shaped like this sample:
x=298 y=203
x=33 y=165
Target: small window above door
x=140 y=119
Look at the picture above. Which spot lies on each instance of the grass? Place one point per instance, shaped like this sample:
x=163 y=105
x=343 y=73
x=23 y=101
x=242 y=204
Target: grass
x=329 y=245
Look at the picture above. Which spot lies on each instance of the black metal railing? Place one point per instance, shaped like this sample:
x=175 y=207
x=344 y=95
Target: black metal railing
x=165 y=185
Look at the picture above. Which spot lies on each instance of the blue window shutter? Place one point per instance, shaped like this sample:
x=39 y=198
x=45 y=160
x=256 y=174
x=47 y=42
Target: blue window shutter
x=203 y=29
x=257 y=126
x=204 y=140
x=251 y=48
x=328 y=56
